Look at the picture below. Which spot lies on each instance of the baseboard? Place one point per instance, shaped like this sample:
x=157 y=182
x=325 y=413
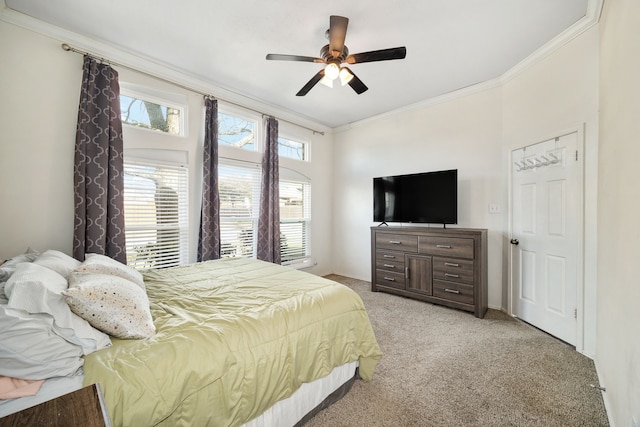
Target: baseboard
x=605 y=397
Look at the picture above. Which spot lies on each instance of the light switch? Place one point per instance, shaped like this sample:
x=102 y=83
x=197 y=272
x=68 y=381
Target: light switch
x=494 y=208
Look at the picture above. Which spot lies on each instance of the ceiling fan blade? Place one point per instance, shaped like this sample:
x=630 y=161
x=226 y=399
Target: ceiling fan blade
x=279 y=57
x=337 y=34
x=311 y=83
x=377 y=55
x=356 y=84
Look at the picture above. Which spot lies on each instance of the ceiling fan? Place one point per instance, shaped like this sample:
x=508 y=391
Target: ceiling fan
x=335 y=54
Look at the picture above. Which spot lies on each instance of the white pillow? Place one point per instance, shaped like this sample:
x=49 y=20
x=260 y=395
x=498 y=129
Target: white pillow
x=30 y=350
x=110 y=303
x=7 y=269
x=36 y=289
x=3 y=296
x=102 y=264
x=57 y=261
x=29 y=276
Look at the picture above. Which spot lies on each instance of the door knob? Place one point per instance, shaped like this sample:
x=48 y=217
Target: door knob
x=515 y=242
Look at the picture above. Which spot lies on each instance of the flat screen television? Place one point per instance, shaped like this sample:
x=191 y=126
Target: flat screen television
x=429 y=197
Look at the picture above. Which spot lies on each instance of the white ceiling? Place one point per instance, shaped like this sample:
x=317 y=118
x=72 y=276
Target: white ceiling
x=451 y=44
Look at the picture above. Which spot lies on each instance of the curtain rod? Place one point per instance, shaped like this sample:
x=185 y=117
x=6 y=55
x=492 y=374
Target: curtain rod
x=68 y=48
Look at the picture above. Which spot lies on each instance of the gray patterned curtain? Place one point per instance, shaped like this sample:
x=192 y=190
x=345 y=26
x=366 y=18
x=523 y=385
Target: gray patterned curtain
x=209 y=236
x=98 y=167
x=269 y=216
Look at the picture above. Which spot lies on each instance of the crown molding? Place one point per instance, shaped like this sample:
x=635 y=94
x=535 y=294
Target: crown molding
x=120 y=55
x=440 y=99
x=591 y=18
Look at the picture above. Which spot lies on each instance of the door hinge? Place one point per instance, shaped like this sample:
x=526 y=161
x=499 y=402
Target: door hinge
x=576 y=155
x=575 y=313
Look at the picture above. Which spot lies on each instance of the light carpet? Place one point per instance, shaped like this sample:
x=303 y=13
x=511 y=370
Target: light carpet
x=445 y=367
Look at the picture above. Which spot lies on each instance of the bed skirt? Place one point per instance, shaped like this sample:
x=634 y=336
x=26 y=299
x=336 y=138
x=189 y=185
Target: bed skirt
x=309 y=399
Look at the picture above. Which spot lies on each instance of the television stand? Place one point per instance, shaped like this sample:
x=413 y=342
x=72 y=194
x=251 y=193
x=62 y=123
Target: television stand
x=437 y=265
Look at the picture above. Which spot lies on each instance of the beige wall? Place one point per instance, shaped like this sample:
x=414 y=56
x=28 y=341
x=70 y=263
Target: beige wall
x=473 y=133
x=618 y=352
x=462 y=134
x=40 y=88
x=554 y=95
x=39 y=93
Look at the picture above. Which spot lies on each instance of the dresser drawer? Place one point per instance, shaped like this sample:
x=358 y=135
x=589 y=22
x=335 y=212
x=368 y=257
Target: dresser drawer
x=452 y=269
x=446 y=246
x=390 y=278
x=390 y=261
x=453 y=291
x=397 y=242
x=440 y=266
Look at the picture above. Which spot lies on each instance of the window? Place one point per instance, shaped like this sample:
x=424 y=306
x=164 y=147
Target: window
x=147 y=114
x=293 y=149
x=239 y=188
x=236 y=131
x=156 y=212
x=295 y=216
x=239 y=204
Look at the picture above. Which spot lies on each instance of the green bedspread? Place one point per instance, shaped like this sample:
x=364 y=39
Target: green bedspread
x=234 y=336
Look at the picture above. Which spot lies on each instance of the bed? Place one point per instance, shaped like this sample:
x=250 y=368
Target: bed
x=235 y=342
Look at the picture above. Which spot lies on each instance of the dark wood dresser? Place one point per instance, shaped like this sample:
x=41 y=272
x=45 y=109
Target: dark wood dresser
x=438 y=265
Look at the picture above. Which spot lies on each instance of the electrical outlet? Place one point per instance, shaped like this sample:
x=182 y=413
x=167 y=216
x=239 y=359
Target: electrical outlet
x=494 y=208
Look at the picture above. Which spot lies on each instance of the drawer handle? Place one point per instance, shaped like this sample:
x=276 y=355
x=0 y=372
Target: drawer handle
x=395 y=242
x=443 y=246
x=451 y=291
x=390 y=279
x=451 y=275
x=389 y=256
x=389 y=265
x=451 y=264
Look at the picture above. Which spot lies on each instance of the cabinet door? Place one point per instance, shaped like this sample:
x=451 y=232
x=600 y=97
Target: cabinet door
x=418 y=274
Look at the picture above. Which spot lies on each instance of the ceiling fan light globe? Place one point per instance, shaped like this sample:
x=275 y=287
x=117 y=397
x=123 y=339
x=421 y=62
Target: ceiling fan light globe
x=345 y=76
x=327 y=82
x=332 y=71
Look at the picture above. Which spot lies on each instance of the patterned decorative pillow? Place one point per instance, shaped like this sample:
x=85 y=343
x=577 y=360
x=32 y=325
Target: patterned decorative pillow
x=57 y=261
x=111 y=304
x=102 y=264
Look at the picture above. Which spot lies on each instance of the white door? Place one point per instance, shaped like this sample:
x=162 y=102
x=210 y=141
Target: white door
x=546 y=235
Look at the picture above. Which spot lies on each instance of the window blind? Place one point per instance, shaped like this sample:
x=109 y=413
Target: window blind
x=239 y=187
x=156 y=214
x=295 y=219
